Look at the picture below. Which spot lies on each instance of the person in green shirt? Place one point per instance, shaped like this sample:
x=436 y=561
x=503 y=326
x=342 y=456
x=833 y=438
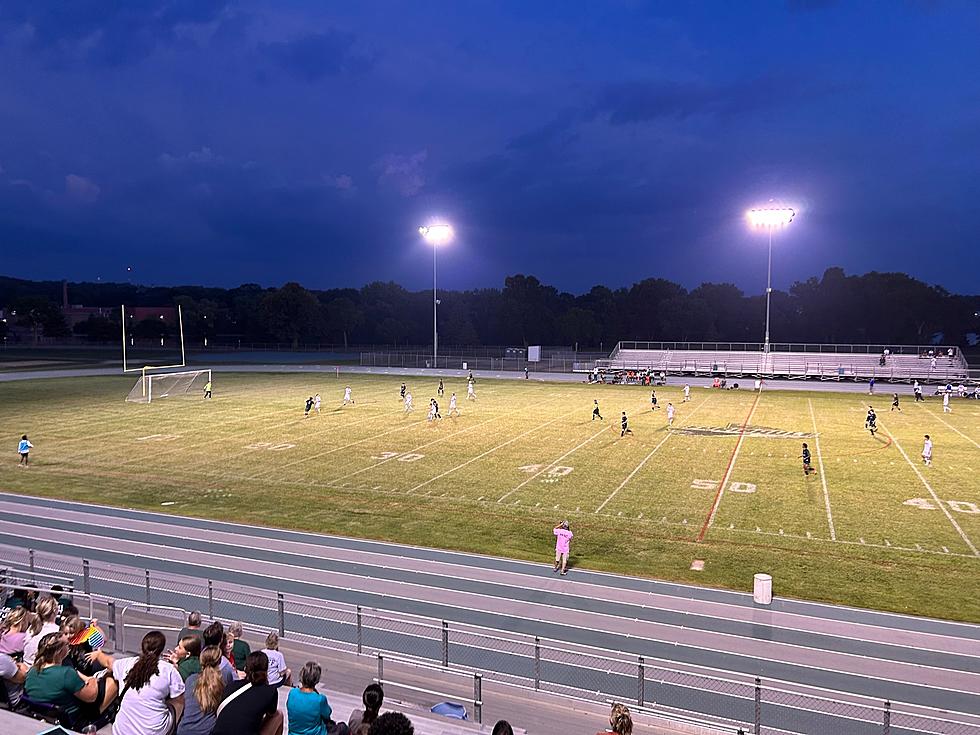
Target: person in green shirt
x=83 y=698
x=239 y=648
x=187 y=656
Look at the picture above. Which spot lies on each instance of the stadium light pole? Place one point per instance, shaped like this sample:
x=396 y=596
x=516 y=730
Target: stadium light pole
x=435 y=235
x=770 y=219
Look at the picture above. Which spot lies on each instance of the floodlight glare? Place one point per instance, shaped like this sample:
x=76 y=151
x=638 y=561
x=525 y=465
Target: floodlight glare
x=770 y=217
x=436 y=234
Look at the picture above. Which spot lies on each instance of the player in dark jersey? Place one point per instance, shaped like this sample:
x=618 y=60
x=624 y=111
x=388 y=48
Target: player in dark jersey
x=309 y=407
x=653 y=400
x=441 y=390
x=402 y=392
x=871 y=423
x=895 y=406
x=626 y=426
x=595 y=411
x=435 y=409
x=807 y=469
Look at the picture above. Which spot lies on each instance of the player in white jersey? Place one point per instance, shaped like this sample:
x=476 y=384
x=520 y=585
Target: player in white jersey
x=347 y=396
x=946 y=408
x=408 y=402
x=453 y=411
x=670 y=414
x=687 y=393
x=470 y=394
x=927 y=451
x=316 y=403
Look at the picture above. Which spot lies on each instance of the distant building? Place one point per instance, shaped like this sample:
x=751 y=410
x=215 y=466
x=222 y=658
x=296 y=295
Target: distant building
x=76 y=313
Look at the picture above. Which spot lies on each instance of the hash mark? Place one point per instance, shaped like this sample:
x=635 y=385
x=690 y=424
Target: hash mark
x=861 y=540
x=918 y=547
x=945 y=550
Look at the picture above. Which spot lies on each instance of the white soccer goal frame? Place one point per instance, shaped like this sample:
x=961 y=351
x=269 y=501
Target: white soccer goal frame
x=146 y=381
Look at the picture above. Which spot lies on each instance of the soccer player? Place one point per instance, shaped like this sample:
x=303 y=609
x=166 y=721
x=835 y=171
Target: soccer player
x=871 y=387
x=946 y=408
x=207 y=390
x=871 y=422
x=917 y=389
x=564 y=537
x=408 y=402
x=895 y=406
x=347 y=396
x=441 y=390
x=309 y=405
x=807 y=469
x=402 y=394
x=470 y=394
x=469 y=378
x=316 y=403
x=687 y=394
x=525 y=372
x=435 y=409
x=653 y=401
x=24 y=448
x=670 y=414
x=927 y=451
x=595 y=410
x=452 y=405
x=626 y=427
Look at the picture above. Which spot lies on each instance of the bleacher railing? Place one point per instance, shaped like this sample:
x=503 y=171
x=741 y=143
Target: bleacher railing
x=731 y=699
x=923 y=351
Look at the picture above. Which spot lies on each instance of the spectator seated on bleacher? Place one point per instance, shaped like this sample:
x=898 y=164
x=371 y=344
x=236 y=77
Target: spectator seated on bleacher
x=13 y=632
x=85 y=641
x=250 y=705
x=81 y=698
x=46 y=614
x=12 y=676
x=360 y=720
x=279 y=674
x=152 y=699
x=309 y=711
x=392 y=723
x=239 y=647
x=17 y=598
x=193 y=626
x=214 y=635
x=187 y=656
x=620 y=720
x=202 y=695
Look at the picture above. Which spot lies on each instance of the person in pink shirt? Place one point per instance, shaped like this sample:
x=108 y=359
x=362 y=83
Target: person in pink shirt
x=561 y=546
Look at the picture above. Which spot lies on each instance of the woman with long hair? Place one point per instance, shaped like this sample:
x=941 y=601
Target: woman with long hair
x=361 y=720
x=83 y=698
x=250 y=705
x=85 y=641
x=620 y=720
x=13 y=631
x=152 y=690
x=46 y=612
x=205 y=691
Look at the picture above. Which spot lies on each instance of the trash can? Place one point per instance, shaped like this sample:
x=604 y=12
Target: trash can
x=762 y=589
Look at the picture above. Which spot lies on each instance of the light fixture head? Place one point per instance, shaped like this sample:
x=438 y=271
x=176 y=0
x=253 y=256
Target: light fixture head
x=438 y=234
x=773 y=217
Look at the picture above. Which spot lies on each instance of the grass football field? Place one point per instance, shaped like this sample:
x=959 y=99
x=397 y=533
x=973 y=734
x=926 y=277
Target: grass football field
x=871 y=527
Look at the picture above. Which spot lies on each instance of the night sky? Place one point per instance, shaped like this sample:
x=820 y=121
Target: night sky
x=583 y=142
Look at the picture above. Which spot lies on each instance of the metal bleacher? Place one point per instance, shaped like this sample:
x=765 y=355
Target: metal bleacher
x=902 y=364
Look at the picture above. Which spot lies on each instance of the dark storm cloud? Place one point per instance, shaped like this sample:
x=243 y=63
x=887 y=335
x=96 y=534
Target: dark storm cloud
x=313 y=56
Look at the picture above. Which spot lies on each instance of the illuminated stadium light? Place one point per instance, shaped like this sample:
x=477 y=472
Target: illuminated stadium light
x=436 y=235
x=770 y=218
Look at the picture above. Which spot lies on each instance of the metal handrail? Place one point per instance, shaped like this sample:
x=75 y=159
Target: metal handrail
x=477 y=699
x=122 y=618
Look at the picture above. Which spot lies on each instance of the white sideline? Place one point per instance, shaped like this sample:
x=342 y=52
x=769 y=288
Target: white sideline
x=939 y=503
x=823 y=475
x=490 y=451
x=645 y=460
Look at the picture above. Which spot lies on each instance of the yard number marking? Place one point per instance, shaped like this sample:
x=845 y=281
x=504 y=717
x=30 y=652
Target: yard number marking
x=408 y=457
x=733 y=487
x=961 y=506
x=554 y=472
x=270 y=446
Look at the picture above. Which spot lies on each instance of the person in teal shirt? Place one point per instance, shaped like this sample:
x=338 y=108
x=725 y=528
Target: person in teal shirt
x=309 y=712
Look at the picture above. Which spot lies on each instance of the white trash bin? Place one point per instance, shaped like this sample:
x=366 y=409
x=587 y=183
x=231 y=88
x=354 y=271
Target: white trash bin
x=762 y=589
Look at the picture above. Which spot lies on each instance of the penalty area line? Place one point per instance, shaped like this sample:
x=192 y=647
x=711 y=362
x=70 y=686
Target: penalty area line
x=728 y=472
x=823 y=475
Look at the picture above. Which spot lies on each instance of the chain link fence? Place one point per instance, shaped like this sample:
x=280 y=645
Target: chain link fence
x=731 y=700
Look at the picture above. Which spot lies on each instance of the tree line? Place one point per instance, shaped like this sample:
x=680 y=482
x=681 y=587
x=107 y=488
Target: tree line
x=875 y=308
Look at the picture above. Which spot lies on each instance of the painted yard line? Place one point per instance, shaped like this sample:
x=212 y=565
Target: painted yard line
x=728 y=472
x=509 y=579
x=944 y=421
x=823 y=475
x=427 y=444
x=691 y=589
x=646 y=459
x=482 y=608
x=490 y=451
x=939 y=503
x=506 y=495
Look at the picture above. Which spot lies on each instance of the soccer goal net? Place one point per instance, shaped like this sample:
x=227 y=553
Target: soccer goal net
x=167 y=385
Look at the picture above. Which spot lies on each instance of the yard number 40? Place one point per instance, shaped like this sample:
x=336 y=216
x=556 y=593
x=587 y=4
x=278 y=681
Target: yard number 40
x=734 y=487
x=961 y=506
